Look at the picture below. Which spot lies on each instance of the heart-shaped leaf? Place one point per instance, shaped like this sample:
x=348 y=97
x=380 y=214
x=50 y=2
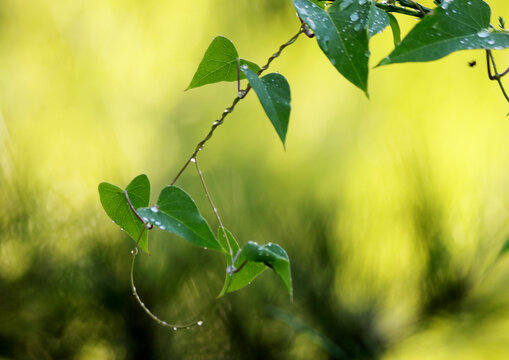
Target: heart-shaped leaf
x=177 y=213
x=273 y=256
x=236 y=280
x=455 y=25
x=341 y=33
x=220 y=64
x=274 y=94
x=115 y=204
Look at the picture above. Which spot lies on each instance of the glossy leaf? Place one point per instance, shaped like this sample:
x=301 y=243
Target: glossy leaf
x=396 y=32
x=177 y=213
x=273 y=256
x=378 y=20
x=274 y=94
x=247 y=272
x=455 y=25
x=116 y=206
x=220 y=64
x=341 y=33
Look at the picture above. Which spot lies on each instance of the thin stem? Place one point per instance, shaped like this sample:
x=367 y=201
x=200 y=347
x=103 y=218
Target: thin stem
x=230 y=109
x=134 y=252
x=134 y=210
x=490 y=60
x=400 y=10
x=238 y=77
x=415 y=5
x=207 y=193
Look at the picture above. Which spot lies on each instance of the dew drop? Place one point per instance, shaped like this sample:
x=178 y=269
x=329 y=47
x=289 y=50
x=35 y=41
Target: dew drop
x=199 y=323
x=362 y=2
x=174 y=328
x=483 y=33
x=357 y=27
x=154 y=209
x=193 y=160
x=158 y=223
x=215 y=123
x=354 y=16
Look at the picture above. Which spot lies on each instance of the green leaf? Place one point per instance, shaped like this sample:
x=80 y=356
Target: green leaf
x=219 y=64
x=455 y=25
x=378 y=20
x=396 y=32
x=116 y=206
x=177 y=213
x=319 y=3
x=273 y=256
x=274 y=94
x=341 y=33
x=246 y=274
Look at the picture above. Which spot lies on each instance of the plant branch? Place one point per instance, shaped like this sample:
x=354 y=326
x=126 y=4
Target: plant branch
x=400 y=10
x=147 y=225
x=229 y=109
x=134 y=252
x=490 y=60
x=415 y=5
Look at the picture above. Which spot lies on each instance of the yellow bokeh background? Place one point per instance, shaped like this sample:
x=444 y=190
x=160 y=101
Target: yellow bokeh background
x=93 y=91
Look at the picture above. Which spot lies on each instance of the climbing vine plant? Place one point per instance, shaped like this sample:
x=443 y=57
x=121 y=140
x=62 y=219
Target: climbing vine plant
x=343 y=30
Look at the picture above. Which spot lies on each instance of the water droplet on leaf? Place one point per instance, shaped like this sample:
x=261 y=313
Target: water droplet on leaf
x=483 y=33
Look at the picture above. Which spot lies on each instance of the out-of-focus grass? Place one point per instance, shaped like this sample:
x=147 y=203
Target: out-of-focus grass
x=392 y=209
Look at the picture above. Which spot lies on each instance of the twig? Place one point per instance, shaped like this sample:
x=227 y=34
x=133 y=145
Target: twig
x=490 y=60
x=415 y=5
x=400 y=10
x=147 y=224
x=229 y=109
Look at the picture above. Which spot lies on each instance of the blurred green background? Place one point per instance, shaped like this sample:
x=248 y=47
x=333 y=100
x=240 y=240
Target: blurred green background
x=393 y=210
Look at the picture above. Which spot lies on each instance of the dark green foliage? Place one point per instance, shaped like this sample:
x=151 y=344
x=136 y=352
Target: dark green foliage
x=177 y=213
x=274 y=94
x=455 y=25
x=115 y=204
x=243 y=271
